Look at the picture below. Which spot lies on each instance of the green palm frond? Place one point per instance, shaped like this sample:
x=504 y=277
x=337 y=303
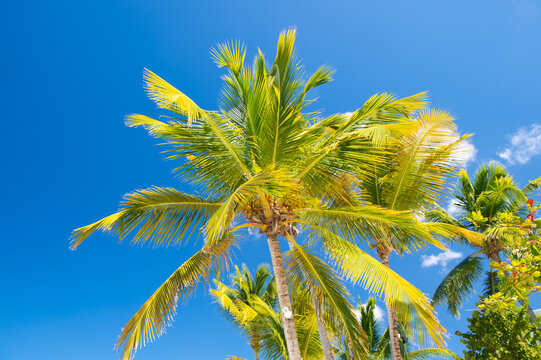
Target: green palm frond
x=492 y=190
x=425 y=159
x=331 y=295
x=375 y=224
x=249 y=302
x=320 y=77
x=532 y=187
x=229 y=55
x=370 y=324
x=430 y=354
x=491 y=283
x=351 y=138
x=242 y=312
x=439 y=214
x=209 y=151
x=157 y=312
x=411 y=305
x=160 y=216
x=273 y=339
x=485 y=176
x=458 y=284
x=268 y=181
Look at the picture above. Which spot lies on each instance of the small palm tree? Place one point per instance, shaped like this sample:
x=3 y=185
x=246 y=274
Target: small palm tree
x=379 y=343
x=243 y=300
x=265 y=162
x=491 y=192
x=273 y=340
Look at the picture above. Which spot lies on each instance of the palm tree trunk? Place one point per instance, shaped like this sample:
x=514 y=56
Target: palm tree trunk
x=324 y=338
x=256 y=353
x=533 y=318
x=255 y=343
x=383 y=254
x=283 y=297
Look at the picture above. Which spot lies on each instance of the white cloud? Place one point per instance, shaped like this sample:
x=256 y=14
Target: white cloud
x=379 y=313
x=442 y=259
x=453 y=209
x=523 y=145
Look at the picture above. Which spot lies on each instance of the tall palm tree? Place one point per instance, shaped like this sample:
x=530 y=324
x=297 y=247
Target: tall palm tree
x=491 y=192
x=242 y=300
x=263 y=161
x=419 y=166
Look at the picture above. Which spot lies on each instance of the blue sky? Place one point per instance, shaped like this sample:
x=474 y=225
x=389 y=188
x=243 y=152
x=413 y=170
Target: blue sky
x=72 y=71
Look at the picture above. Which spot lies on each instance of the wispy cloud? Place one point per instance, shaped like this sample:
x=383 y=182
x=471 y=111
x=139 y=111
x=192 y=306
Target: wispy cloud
x=523 y=145
x=442 y=259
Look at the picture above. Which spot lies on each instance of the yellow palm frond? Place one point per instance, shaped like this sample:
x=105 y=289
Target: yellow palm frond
x=159 y=215
x=327 y=292
x=411 y=305
x=157 y=312
x=168 y=97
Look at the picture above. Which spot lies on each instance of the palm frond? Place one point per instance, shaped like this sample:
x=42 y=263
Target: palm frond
x=491 y=283
x=411 y=305
x=160 y=216
x=370 y=324
x=331 y=295
x=210 y=150
x=373 y=224
x=267 y=180
x=458 y=284
x=430 y=354
x=532 y=187
x=168 y=97
x=157 y=312
x=230 y=55
x=425 y=158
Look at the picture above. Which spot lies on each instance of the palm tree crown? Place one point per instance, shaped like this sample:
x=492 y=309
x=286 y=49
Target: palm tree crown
x=247 y=300
x=492 y=191
x=264 y=161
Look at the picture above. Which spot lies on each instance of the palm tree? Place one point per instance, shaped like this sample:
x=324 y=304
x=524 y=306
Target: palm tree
x=263 y=161
x=242 y=300
x=491 y=192
x=273 y=339
x=379 y=343
x=419 y=165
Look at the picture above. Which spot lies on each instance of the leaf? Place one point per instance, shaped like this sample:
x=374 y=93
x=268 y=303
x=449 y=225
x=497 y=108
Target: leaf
x=157 y=312
x=458 y=284
x=158 y=215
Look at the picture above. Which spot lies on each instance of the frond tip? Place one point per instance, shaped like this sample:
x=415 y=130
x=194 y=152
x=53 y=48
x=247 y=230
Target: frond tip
x=168 y=97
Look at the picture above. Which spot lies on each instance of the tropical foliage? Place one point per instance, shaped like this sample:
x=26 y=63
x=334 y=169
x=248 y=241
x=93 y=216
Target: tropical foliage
x=379 y=343
x=248 y=302
x=481 y=202
x=266 y=160
x=420 y=166
x=503 y=334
